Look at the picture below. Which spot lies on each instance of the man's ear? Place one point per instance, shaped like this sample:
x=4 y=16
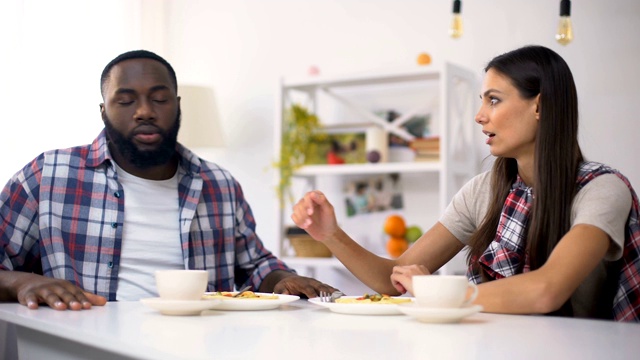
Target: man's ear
x=102 y=112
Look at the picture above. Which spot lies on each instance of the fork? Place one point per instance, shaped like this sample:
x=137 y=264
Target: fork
x=242 y=290
x=329 y=298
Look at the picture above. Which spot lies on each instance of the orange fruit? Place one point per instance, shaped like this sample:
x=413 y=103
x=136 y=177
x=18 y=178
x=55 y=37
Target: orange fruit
x=396 y=246
x=424 y=59
x=395 y=226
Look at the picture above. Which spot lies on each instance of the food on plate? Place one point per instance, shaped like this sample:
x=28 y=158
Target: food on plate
x=373 y=299
x=243 y=295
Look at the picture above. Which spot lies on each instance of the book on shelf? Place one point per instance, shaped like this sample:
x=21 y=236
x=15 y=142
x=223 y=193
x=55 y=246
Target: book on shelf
x=426 y=149
x=429 y=143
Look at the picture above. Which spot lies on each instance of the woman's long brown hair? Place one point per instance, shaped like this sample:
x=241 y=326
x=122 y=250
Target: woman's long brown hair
x=537 y=70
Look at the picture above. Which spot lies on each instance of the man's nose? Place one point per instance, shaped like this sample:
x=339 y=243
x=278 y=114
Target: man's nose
x=145 y=110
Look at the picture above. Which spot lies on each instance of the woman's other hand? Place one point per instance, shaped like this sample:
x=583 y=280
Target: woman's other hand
x=401 y=277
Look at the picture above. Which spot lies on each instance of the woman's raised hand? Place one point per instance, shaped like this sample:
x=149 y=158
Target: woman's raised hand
x=315 y=214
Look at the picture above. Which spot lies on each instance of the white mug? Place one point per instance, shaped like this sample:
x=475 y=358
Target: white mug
x=181 y=284
x=443 y=291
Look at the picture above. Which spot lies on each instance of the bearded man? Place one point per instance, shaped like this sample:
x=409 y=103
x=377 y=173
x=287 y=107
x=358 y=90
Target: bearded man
x=91 y=224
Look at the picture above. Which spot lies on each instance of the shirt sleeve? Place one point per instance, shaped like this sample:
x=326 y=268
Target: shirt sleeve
x=19 y=232
x=253 y=261
x=604 y=202
x=468 y=207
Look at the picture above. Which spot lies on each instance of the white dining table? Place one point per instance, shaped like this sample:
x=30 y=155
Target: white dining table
x=303 y=330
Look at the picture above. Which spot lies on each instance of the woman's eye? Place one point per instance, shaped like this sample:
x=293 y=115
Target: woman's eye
x=493 y=101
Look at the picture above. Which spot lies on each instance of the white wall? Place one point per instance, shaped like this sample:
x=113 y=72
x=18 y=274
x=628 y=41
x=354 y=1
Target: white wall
x=53 y=53
x=240 y=48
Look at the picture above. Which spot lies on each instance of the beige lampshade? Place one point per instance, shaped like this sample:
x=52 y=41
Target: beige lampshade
x=200 y=127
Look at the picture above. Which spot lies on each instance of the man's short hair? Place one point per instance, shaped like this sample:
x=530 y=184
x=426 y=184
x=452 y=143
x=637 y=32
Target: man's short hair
x=137 y=54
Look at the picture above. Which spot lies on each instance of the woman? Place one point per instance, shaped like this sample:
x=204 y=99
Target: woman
x=546 y=231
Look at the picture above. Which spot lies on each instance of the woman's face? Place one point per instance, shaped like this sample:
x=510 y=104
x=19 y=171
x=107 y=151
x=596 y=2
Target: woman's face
x=509 y=121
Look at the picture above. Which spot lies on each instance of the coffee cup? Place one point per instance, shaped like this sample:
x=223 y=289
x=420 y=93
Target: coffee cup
x=443 y=291
x=181 y=284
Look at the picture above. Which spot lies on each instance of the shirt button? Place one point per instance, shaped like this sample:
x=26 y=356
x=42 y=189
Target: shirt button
x=116 y=194
x=114 y=225
x=110 y=264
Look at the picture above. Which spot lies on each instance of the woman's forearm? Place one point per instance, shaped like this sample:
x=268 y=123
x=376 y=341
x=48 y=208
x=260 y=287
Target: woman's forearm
x=372 y=270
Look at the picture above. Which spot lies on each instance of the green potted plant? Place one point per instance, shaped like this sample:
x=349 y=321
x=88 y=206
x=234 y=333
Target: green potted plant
x=300 y=128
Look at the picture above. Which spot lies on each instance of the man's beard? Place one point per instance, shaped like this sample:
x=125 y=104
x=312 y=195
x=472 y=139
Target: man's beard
x=139 y=158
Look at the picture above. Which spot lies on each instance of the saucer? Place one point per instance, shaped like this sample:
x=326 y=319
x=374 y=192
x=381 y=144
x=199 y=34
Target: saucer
x=438 y=315
x=179 y=307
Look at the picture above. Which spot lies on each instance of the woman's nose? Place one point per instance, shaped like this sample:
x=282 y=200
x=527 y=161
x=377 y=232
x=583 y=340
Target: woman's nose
x=480 y=118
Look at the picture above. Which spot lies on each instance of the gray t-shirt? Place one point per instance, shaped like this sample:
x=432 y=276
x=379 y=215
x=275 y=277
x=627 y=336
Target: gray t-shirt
x=604 y=202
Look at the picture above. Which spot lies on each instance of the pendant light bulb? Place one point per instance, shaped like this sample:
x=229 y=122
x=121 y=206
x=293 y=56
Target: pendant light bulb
x=565 y=30
x=455 y=31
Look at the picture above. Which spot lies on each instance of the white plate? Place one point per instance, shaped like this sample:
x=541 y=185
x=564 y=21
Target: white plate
x=360 y=309
x=253 y=304
x=179 y=307
x=438 y=315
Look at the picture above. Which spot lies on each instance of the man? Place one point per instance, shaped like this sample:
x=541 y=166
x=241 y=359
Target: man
x=91 y=224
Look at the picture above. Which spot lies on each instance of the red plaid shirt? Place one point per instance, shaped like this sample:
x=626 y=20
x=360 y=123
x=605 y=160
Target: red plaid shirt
x=508 y=250
x=62 y=216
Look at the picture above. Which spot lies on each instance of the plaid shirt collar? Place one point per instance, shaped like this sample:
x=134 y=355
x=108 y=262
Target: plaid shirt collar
x=99 y=153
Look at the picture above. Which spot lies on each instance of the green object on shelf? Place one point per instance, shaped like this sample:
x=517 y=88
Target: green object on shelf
x=300 y=128
x=347 y=146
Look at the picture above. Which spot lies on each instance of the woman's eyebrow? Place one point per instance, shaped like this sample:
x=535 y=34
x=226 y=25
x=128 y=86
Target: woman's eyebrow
x=489 y=91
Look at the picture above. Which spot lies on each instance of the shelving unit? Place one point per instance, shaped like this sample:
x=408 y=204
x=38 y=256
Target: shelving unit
x=382 y=168
x=447 y=93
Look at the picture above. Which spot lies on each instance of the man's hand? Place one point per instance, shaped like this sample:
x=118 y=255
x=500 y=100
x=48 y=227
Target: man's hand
x=288 y=283
x=31 y=290
x=304 y=286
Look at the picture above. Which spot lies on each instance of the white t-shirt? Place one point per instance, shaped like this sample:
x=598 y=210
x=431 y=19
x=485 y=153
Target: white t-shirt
x=151 y=234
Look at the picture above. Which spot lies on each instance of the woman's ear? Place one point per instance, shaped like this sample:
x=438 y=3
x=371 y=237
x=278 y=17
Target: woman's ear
x=537 y=103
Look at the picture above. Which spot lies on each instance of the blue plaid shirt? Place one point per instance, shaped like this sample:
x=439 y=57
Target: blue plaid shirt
x=62 y=217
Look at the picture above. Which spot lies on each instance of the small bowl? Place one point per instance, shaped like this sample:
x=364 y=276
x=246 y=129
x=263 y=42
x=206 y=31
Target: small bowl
x=181 y=284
